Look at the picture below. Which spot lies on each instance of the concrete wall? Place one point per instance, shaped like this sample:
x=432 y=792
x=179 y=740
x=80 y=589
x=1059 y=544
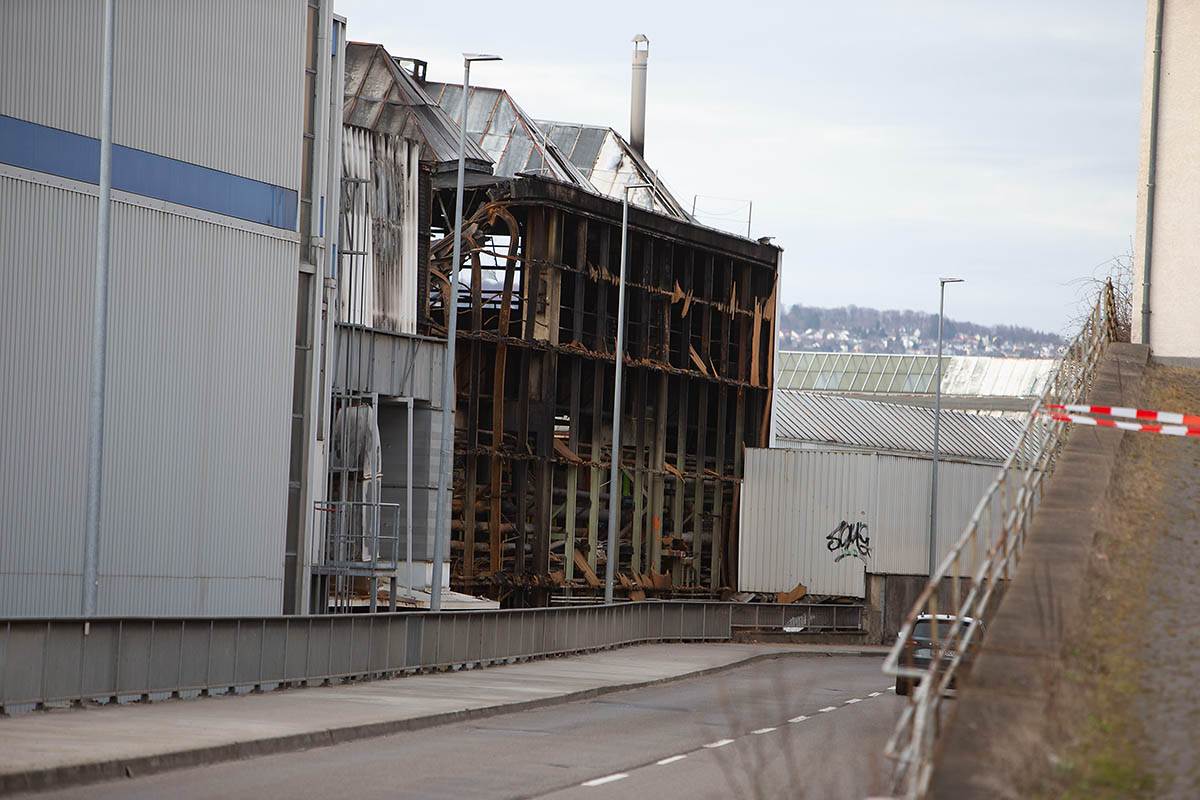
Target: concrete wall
x=1175 y=261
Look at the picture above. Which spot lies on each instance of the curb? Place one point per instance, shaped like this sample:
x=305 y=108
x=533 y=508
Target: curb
x=60 y=777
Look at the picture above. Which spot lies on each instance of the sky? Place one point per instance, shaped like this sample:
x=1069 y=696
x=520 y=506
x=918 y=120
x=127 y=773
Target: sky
x=882 y=143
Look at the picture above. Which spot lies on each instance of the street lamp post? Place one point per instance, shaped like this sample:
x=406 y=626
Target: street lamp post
x=446 y=472
x=937 y=416
x=614 y=489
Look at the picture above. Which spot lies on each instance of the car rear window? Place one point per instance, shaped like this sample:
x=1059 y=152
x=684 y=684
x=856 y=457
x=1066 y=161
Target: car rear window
x=924 y=628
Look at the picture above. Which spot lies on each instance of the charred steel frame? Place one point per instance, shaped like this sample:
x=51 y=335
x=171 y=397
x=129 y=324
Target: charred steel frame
x=534 y=373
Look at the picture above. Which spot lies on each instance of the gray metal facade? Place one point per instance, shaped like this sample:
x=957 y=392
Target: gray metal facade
x=196 y=436
x=202 y=313
x=188 y=84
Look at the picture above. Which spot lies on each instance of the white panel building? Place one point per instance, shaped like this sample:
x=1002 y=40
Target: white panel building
x=841 y=503
x=1166 y=294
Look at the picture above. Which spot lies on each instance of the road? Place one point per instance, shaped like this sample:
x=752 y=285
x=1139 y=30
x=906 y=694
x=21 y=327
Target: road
x=785 y=727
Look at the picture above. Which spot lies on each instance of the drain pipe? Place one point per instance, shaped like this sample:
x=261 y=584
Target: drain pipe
x=95 y=444
x=1148 y=244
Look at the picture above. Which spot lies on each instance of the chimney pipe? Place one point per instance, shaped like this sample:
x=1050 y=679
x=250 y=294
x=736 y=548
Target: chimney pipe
x=637 y=106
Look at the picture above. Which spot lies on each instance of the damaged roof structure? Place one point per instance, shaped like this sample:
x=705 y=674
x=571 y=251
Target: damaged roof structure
x=593 y=158
x=382 y=95
x=534 y=355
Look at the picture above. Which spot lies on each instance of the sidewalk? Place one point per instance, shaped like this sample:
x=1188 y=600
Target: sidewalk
x=43 y=749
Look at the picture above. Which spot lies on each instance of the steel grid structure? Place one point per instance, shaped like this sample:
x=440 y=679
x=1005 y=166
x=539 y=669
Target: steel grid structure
x=966 y=586
x=46 y=662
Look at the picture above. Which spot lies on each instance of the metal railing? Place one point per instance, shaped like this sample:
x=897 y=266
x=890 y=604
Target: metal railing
x=46 y=662
x=362 y=536
x=971 y=579
x=369 y=540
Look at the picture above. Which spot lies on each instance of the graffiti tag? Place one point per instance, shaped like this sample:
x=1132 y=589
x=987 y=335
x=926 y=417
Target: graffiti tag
x=851 y=540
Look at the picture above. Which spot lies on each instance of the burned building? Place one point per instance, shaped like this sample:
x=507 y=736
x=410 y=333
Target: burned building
x=534 y=356
x=534 y=378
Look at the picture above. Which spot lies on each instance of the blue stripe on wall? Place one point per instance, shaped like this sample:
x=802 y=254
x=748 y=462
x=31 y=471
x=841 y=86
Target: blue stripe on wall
x=69 y=155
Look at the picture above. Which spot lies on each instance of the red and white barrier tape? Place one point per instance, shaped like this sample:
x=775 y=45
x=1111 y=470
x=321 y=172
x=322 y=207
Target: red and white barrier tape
x=1169 y=430
x=1167 y=417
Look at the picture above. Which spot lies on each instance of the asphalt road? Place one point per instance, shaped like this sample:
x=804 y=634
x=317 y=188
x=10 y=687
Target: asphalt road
x=787 y=727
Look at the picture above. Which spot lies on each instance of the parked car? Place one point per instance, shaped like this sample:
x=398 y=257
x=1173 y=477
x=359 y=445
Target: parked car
x=921 y=648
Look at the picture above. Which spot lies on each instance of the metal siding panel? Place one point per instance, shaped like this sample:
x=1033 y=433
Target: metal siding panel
x=43 y=357
x=903 y=545
x=792 y=500
x=167 y=99
x=200 y=352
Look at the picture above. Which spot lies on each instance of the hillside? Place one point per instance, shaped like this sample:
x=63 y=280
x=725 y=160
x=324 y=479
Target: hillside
x=867 y=330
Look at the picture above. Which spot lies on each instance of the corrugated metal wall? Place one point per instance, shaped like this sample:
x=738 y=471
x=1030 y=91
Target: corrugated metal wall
x=379 y=288
x=901 y=527
x=792 y=500
x=201 y=323
x=185 y=84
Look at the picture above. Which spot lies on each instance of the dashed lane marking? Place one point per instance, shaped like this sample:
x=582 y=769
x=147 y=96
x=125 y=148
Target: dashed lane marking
x=718 y=743
x=662 y=762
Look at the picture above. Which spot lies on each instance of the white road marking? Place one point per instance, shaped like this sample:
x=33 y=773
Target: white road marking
x=875 y=694
x=606 y=779
x=890 y=689
x=854 y=700
x=761 y=731
x=671 y=760
x=718 y=743
x=827 y=709
x=800 y=718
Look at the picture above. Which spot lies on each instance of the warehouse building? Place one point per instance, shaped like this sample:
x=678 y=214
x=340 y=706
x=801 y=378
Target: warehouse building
x=224 y=188
x=841 y=503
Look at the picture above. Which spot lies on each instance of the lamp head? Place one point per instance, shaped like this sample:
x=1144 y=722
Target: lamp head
x=469 y=57
x=944 y=281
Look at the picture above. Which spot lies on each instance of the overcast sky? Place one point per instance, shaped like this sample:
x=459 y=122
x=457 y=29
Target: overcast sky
x=882 y=143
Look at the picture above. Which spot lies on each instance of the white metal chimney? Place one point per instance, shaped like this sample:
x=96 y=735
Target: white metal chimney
x=637 y=106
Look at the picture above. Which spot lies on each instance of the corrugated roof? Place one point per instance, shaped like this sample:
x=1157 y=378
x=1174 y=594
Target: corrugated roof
x=867 y=373
x=609 y=162
x=509 y=135
x=827 y=419
x=591 y=157
x=382 y=96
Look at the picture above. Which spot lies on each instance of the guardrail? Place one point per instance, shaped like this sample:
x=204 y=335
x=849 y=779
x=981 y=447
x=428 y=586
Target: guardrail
x=970 y=581
x=46 y=662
